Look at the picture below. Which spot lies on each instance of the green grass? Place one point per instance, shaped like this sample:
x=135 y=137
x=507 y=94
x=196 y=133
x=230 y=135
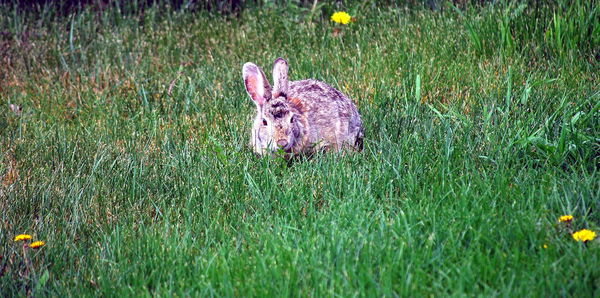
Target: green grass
x=482 y=128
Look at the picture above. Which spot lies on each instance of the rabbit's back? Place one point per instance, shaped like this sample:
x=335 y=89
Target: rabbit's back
x=333 y=118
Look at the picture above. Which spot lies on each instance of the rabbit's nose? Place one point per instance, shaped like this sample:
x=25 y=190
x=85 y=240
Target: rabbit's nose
x=282 y=143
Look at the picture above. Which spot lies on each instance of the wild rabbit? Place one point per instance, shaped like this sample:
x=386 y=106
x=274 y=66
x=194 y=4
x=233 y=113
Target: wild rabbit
x=300 y=117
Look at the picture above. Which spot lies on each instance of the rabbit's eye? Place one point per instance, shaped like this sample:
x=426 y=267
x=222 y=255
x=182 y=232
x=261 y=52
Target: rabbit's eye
x=264 y=122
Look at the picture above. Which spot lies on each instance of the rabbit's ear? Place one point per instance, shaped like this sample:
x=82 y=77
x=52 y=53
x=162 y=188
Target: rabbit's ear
x=280 y=77
x=256 y=84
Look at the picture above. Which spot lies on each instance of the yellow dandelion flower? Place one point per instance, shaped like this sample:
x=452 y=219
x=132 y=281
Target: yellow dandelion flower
x=341 y=17
x=584 y=235
x=565 y=218
x=545 y=245
x=22 y=237
x=37 y=244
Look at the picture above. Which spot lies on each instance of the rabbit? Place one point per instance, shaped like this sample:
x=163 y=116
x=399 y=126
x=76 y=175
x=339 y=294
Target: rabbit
x=300 y=117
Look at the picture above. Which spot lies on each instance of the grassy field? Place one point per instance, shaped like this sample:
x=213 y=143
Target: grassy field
x=130 y=155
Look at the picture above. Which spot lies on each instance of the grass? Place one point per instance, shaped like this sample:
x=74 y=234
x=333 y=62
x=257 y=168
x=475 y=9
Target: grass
x=131 y=160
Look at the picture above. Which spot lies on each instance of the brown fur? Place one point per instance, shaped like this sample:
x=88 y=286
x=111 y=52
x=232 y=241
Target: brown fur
x=297 y=104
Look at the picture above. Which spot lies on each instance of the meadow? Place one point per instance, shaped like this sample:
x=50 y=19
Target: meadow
x=124 y=142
